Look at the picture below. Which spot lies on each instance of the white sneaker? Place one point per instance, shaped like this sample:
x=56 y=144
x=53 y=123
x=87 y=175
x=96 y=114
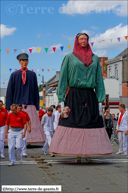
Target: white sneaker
x=44 y=153
x=52 y=155
x=20 y=161
x=2 y=157
x=11 y=164
x=125 y=154
x=119 y=153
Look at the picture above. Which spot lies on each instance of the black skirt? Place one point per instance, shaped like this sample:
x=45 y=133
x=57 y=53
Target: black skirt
x=84 y=109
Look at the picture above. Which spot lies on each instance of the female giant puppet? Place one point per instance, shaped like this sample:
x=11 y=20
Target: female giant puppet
x=23 y=89
x=82 y=133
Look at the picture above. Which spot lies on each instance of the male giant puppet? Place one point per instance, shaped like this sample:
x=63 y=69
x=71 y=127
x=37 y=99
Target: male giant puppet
x=23 y=89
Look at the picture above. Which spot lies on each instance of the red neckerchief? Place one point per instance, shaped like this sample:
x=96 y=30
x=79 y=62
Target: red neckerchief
x=49 y=115
x=24 y=75
x=83 y=54
x=121 y=116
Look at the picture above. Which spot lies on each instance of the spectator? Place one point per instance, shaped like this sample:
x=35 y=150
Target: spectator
x=108 y=121
x=47 y=123
x=122 y=130
x=57 y=115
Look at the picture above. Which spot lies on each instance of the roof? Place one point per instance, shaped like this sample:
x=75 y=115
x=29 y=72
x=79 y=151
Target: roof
x=55 y=79
x=123 y=54
x=49 y=90
x=118 y=57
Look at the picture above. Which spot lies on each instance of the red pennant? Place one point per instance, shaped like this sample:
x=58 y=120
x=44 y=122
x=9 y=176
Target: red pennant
x=126 y=37
x=54 y=48
x=48 y=70
x=30 y=50
x=7 y=51
x=15 y=69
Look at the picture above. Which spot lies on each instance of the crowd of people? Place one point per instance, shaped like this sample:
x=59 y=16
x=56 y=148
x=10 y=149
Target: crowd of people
x=14 y=126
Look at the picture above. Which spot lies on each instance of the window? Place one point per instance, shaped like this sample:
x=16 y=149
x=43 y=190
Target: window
x=110 y=72
x=116 y=72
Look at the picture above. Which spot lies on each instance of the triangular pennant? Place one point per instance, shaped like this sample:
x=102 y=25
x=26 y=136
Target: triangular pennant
x=103 y=40
x=38 y=49
x=92 y=43
x=38 y=70
x=7 y=82
x=30 y=50
x=42 y=70
x=4 y=68
x=69 y=47
x=54 y=49
x=15 y=50
x=48 y=70
x=62 y=47
x=53 y=69
x=126 y=37
x=118 y=39
x=10 y=69
x=99 y=42
x=32 y=69
x=15 y=69
x=46 y=49
x=7 y=51
x=0 y=50
x=111 y=40
x=23 y=50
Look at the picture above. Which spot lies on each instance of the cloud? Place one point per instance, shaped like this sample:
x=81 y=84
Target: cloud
x=34 y=49
x=101 y=53
x=112 y=33
x=93 y=6
x=6 y=31
x=69 y=38
x=54 y=45
x=94 y=27
x=39 y=35
x=87 y=32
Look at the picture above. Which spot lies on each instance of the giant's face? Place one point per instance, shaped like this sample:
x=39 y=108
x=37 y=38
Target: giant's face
x=83 y=40
x=23 y=63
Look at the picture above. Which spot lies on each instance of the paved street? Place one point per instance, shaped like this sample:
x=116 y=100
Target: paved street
x=105 y=174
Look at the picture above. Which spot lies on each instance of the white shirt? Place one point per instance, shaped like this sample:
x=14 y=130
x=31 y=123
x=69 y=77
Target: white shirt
x=124 y=122
x=56 y=120
x=48 y=122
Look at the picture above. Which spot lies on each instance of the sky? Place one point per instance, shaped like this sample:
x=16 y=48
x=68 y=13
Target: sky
x=47 y=24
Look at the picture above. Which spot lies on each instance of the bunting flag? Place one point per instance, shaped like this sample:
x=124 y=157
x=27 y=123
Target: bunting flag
x=99 y=42
x=38 y=49
x=46 y=49
x=38 y=70
x=0 y=50
x=126 y=37
x=42 y=70
x=30 y=50
x=4 y=68
x=62 y=47
x=92 y=43
x=118 y=39
x=23 y=50
x=32 y=70
x=7 y=51
x=103 y=40
x=104 y=67
x=15 y=69
x=69 y=47
x=7 y=82
x=54 y=48
x=53 y=69
x=48 y=70
x=111 y=40
x=10 y=69
x=15 y=50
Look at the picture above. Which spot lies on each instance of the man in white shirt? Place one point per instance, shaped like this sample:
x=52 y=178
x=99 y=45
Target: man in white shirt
x=47 y=123
x=122 y=130
x=57 y=116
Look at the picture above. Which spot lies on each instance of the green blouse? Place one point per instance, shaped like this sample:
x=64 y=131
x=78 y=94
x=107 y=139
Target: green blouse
x=75 y=74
